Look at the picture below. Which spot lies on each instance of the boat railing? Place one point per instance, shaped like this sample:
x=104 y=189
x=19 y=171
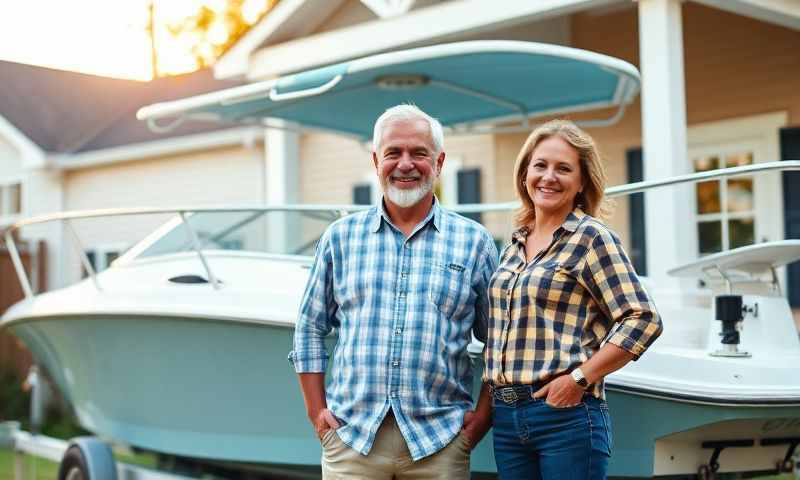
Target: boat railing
x=333 y=211
x=183 y=212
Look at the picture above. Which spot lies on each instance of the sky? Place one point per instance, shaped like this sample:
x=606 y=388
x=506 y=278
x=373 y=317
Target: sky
x=101 y=37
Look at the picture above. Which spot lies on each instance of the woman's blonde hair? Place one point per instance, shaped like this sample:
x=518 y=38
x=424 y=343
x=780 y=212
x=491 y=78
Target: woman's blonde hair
x=590 y=200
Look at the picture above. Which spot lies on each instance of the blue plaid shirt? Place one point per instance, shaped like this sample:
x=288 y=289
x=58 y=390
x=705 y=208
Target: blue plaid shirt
x=404 y=309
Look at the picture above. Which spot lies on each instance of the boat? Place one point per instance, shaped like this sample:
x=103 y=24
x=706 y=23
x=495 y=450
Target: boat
x=179 y=348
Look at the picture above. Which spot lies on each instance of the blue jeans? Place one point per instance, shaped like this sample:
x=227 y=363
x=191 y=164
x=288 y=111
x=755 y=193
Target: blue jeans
x=533 y=440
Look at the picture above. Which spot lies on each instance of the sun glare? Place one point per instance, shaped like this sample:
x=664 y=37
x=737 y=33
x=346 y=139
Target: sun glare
x=109 y=38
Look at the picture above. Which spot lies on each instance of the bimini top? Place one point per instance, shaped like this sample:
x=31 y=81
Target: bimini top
x=752 y=259
x=462 y=84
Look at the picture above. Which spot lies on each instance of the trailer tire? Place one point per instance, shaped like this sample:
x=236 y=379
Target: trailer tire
x=87 y=458
x=73 y=465
x=705 y=473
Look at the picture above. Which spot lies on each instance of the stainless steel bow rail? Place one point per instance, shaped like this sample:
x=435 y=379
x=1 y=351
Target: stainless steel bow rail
x=184 y=213
x=334 y=211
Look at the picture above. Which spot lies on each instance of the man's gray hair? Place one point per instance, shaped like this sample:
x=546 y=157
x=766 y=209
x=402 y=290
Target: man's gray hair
x=408 y=112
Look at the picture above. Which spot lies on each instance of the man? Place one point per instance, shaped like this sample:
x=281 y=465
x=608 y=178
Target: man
x=404 y=282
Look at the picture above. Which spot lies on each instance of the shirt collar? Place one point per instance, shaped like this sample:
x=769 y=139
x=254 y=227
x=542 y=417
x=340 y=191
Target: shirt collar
x=570 y=224
x=381 y=215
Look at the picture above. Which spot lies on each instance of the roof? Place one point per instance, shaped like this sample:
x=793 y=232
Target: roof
x=68 y=112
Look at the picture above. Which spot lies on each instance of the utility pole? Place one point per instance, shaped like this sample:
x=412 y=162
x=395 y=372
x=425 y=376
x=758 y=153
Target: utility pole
x=151 y=29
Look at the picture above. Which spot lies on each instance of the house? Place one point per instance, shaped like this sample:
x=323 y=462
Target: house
x=719 y=88
x=70 y=141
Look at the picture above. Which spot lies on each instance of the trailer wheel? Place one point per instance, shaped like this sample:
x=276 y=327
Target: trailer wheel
x=705 y=473
x=73 y=465
x=786 y=466
x=87 y=458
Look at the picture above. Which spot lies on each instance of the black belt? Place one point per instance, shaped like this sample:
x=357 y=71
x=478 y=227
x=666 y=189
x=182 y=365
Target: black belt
x=512 y=394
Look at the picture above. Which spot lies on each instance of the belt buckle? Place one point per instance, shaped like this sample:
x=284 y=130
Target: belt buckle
x=508 y=395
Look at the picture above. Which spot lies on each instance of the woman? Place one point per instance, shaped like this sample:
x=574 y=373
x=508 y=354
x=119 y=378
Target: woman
x=564 y=286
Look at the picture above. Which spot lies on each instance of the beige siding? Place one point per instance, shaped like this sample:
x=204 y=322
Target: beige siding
x=330 y=166
x=734 y=66
x=223 y=176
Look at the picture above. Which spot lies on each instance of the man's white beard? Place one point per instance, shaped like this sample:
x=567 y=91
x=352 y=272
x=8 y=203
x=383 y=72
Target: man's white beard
x=407 y=197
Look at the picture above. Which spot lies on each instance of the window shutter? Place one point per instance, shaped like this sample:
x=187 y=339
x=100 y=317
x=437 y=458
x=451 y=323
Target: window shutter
x=362 y=194
x=469 y=189
x=790 y=150
x=636 y=212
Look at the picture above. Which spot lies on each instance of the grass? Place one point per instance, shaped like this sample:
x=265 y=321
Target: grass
x=47 y=470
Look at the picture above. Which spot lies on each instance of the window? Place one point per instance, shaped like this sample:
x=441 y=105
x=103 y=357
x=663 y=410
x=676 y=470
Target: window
x=10 y=198
x=101 y=258
x=362 y=194
x=726 y=212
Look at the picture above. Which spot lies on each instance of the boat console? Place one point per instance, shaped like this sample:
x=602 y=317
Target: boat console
x=744 y=282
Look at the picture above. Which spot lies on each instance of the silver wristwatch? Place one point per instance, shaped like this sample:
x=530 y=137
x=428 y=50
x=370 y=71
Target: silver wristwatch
x=577 y=375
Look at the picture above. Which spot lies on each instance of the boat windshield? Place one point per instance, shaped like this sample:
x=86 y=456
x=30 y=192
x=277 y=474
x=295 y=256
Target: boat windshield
x=280 y=232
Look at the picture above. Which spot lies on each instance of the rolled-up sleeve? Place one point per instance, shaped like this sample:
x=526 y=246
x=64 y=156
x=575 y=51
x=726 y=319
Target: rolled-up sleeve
x=609 y=275
x=487 y=264
x=317 y=311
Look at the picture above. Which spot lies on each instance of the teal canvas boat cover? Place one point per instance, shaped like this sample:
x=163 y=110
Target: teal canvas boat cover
x=465 y=85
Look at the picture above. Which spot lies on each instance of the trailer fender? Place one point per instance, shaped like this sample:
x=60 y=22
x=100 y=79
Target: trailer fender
x=91 y=456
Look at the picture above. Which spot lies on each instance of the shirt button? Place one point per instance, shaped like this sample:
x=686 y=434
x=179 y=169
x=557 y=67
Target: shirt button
x=396 y=363
x=393 y=394
x=398 y=331
x=407 y=245
x=401 y=294
x=403 y=275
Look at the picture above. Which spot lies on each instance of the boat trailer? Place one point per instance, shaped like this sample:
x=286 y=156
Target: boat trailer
x=82 y=458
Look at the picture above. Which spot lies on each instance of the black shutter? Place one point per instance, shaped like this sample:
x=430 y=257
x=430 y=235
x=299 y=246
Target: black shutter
x=469 y=189
x=636 y=212
x=362 y=194
x=790 y=150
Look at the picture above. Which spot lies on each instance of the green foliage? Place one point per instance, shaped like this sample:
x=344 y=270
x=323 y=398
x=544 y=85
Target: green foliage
x=14 y=403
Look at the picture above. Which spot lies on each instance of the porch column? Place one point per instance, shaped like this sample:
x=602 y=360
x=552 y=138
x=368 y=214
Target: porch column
x=669 y=223
x=282 y=183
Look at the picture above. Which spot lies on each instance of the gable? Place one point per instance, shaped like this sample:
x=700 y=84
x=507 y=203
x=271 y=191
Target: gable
x=10 y=159
x=352 y=12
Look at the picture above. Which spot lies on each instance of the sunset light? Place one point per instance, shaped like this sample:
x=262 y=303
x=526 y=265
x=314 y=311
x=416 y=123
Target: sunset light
x=110 y=38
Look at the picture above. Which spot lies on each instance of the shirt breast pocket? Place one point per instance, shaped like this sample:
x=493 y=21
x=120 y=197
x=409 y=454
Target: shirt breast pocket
x=560 y=275
x=448 y=288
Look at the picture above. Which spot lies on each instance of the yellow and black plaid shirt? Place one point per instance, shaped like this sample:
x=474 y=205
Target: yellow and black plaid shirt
x=549 y=316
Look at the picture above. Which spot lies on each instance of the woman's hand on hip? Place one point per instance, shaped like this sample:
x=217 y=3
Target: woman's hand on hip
x=562 y=392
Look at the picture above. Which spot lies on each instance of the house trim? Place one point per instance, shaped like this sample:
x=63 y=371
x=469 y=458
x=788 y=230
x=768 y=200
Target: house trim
x=388 y=8
x=287 y=18
x=32 y=155
x=764 y=126
x=171 y=146
x=8 y=219
x=761 y=131
x=412 y=29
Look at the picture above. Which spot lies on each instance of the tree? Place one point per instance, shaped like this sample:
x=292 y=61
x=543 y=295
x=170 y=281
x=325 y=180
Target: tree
x=212 y=31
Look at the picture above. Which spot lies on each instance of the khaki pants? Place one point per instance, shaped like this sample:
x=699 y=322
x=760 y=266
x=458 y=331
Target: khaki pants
x=389 y=458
